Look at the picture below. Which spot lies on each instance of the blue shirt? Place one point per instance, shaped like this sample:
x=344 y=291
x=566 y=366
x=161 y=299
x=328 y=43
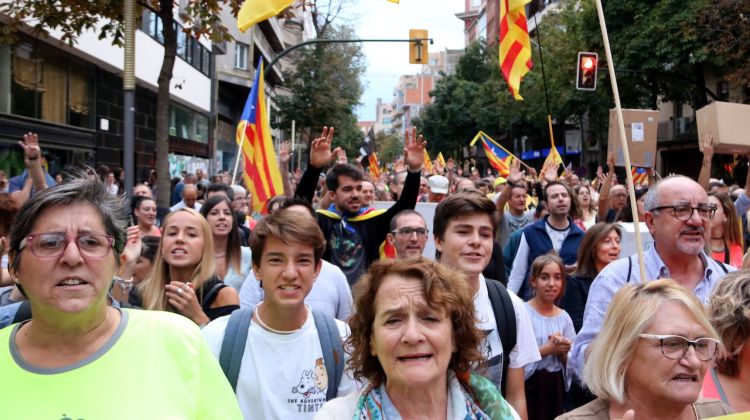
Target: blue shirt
x=613 y=277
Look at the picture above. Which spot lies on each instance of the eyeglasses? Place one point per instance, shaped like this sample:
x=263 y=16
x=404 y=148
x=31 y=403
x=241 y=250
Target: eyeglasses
x=52 y=245
x=408 y=231
x=675 y=346
x=684 y=212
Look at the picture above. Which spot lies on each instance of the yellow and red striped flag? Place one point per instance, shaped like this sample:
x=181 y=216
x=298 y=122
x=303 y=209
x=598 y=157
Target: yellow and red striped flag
x=260 y=167
x=640 y=175
x=515 y=47
x=427 y=162
x=254 y=11
x=374 y=168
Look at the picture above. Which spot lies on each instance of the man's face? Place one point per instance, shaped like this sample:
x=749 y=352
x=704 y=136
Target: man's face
x=424 y=186
x=398 y=183
x=618 y=196
x=435 y=197
x=517 y=201
x=240 y=201
x=558 y=200
x=199 y=174
x=348 y=196
x=368 y=193
x=670 y=233
x=410 y=236
x=467 y=243
x=142 y=191
x=189 y=196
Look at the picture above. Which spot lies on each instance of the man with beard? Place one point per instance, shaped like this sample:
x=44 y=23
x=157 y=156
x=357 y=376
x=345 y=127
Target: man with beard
x=354 y=234
x=556 y=232
x=678 y=216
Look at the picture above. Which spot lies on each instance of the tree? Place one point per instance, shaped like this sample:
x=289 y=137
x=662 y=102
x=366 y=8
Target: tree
x=724 y=29
x=325 y=88
x=201 y=18
x=390 y=147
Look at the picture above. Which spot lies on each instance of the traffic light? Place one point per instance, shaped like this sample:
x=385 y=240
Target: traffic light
x=587 y=65
x=418 y=49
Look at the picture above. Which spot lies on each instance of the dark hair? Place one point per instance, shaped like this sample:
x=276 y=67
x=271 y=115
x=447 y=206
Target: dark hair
x=297 y=201
x=537 y=266
x=149 y=245
x=733 y=226
x=212 y=188
x=574 y=211
x=550 y=184
x=342 y=169
x=460 y=204
x=234 y=241
x=112 y=210
x=287 y=227
x=586 y=265
x=394 y=219
x=444 y=289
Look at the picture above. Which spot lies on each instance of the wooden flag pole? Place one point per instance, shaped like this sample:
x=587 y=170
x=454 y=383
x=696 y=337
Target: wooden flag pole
x=237 y=160
x=623 y=141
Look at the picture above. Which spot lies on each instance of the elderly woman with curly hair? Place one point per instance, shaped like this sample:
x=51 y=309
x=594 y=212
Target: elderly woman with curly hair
x=729 y=312
x=414 y=343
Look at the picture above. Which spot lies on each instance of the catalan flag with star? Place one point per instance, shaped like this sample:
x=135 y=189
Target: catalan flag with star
x=260 y=167
x=497 y=155
x=515 y=46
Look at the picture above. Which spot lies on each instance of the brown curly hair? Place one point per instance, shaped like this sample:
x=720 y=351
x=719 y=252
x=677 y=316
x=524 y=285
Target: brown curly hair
x=729 y=313
x=443 y=289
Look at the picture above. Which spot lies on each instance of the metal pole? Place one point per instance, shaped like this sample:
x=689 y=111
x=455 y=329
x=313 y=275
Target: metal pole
x=291 y=152
x=128 y=97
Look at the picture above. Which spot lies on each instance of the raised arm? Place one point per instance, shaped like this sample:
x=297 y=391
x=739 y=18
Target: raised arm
x=606 y=186
x=708 y=154
x=284 y=155
x=320 y=156
x=32 y=158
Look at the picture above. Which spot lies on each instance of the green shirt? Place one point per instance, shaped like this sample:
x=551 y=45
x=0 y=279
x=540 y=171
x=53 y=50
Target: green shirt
x=155 y=366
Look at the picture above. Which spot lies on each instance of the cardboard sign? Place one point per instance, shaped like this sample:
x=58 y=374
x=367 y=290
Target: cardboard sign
x=641 y=126
x=728 y=123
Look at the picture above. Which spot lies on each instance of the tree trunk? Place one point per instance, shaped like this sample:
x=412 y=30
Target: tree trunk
x=700 y=99
x=162 y=103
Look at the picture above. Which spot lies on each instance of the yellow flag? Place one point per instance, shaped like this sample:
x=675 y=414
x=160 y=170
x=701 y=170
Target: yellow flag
x=427 y=162
x=441 y=159
x=254 y=11
x=393 y=1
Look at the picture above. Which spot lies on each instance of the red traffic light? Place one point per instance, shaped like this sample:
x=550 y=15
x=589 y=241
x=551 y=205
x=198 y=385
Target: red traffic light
x=586 y=71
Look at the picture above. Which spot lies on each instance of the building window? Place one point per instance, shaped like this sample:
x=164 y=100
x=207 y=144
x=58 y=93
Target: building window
x=240 y=56
x=49 y=85
x=188 y=48
x=188 y=124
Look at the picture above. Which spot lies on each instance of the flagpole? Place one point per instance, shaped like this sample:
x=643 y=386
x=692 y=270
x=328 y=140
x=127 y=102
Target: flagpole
x=237 y=159
x=541 y=61
x=623 y=141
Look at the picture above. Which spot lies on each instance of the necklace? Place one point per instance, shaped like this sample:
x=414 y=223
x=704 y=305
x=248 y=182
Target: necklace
x=695 y=411
x=256 y=312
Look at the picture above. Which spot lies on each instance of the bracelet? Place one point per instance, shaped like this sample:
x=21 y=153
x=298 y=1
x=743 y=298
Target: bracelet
x=124 y=284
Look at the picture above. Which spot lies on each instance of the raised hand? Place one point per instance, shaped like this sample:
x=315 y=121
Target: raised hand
x=611 y=161
x=414 y=150
x=284 y=153
x=515 y=174
x=549 y=172
x=708 y=146
x=30 y=145
x=132 y=249
x=341 y=155
x=320 y=149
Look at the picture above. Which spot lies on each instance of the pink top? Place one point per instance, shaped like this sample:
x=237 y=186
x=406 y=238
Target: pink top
x=735 y=255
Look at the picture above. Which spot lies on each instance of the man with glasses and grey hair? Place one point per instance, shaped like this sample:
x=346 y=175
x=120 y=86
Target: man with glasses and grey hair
x=678 y=216
x=408 y=234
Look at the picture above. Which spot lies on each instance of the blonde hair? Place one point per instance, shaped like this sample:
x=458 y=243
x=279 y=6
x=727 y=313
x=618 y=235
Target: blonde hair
x=729 y=313
x=152 y=289
x=614 y=348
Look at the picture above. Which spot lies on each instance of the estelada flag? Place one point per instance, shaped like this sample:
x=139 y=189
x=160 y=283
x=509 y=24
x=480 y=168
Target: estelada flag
x=515 y=46
x=497 y=155
x=441 y=159
x=640 y=175
x=260 y=167
x=254 y=11
x=374 y=168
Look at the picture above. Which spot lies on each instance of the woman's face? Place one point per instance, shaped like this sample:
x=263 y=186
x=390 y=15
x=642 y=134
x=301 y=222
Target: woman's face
x=182 y=240
x=74 y=281
x=146 y=212
x=111 y=177
x=717 y=224
x=220 y=219
x=584 y=197
x=412 y=341
x=608 y=249
x=652 y=377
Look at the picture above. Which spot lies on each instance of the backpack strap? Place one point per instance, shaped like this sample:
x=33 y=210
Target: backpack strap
x=333 y=351
x=505 y=319
x=212 y=292
x=23 y=313
x=233 y=345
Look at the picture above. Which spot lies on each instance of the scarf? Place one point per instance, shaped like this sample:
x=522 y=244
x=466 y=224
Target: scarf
x=364 y=213
x=482 y=401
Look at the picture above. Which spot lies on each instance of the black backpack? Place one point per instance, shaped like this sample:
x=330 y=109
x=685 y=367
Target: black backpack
x=505 y=319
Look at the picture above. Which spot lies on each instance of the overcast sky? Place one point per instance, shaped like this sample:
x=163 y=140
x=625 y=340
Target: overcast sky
x=387 y=61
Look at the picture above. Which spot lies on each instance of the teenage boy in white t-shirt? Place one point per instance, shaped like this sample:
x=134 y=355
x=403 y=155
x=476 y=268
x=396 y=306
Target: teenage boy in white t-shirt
x=282 y=373
x=464 y=228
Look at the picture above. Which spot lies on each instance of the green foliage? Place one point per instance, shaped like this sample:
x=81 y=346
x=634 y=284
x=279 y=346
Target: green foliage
x=390 y=147
x=325 y=88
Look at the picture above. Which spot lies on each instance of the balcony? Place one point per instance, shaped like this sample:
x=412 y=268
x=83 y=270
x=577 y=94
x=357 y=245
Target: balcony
x=676 y=129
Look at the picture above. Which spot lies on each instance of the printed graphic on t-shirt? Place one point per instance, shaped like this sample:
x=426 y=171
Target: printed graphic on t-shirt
x=310 y=393
x=348 y=253
x=493 y=353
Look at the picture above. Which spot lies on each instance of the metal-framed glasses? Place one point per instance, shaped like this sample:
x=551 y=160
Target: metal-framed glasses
x=676 y=346
x=52 y=245
x=684 y=212
x=408 y=231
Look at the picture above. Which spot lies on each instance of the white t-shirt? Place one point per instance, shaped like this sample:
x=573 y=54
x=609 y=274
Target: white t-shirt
x=281 y=376
x=525 y=351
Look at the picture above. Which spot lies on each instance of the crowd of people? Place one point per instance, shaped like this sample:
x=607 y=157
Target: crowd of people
x=325 y=304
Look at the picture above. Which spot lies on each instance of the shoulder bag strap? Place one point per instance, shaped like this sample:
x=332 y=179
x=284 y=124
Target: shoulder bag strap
x=333 y=351
x=233 y=345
